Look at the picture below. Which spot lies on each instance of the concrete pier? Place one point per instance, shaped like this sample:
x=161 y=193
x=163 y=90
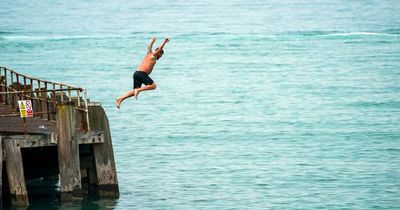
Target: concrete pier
x=68 y=138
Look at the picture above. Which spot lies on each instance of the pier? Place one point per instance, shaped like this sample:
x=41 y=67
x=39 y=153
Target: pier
x=66 y=137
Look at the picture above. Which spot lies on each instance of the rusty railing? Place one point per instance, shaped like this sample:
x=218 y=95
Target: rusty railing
x=45 y=96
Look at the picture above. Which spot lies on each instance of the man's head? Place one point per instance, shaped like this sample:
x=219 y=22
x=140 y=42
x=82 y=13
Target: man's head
x=159 y=54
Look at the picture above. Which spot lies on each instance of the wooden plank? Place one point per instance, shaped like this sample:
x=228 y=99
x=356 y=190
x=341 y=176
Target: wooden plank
x=15 y=173
x=107 y=182
x=68 y=153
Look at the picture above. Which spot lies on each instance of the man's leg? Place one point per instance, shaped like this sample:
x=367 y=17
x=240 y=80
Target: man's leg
x=134 y=92
x=144 y=88
x=123 y=97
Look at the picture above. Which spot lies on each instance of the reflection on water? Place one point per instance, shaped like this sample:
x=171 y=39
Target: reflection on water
x=44 y=193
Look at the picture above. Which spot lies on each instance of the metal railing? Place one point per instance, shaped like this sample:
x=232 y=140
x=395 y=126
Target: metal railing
x=45 y=96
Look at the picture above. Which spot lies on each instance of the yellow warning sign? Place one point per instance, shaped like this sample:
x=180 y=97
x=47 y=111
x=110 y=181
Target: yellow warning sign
x=22 y=106
x=25 y=108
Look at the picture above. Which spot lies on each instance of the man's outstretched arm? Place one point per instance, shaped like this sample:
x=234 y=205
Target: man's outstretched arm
x=149 y=48
x=161 y=46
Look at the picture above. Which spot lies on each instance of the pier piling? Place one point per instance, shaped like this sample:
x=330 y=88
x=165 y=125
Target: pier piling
x=1 y=172
x=15 y=173
x=104 y=157
x=68 y=153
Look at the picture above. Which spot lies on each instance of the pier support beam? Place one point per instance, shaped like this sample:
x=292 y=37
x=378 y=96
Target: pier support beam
x=1 y=170
x=68 y=153
x=106 y=173
x=15 y=173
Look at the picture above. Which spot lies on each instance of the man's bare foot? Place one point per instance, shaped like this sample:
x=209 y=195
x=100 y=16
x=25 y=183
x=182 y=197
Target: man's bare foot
x=118 y=102
x=136 y=93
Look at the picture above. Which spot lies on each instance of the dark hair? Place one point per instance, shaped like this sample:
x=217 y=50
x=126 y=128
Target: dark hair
x=162 y=51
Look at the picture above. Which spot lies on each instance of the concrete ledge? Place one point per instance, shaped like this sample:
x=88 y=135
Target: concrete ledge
x=45 y=140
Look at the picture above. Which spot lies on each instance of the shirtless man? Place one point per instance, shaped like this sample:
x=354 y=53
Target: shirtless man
x=141 y=75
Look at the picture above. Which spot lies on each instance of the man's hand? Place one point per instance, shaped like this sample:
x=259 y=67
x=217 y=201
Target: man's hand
x=166 y=40
x=149 y=48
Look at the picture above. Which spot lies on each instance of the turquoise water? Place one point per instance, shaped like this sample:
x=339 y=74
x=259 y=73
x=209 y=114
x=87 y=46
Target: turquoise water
x=259 y=105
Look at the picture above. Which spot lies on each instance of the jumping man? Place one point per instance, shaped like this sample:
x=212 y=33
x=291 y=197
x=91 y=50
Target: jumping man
x=141 y=75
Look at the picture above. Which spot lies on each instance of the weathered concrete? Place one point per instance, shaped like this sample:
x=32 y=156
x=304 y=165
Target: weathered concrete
x=15 y=173
x=106 y=173
x=58 y=140
x=68 y=153
x=46 y=140
x=1 y=172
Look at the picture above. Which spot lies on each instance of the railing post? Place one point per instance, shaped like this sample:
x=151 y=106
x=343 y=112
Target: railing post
x=18 y=84
x=43 y=101
x=54 y=102
x=47 y=102
x=11 y=76
x=39 y=96
x=12 y=96
x=79 y=98
x=6 y=85
x=2 y=88
x=32 y=95
x=62 y=95
x=24 y=83
x=86 y=111
x=69 y=94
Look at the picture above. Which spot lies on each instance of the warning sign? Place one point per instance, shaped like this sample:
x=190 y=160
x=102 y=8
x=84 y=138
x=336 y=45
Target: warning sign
x=25 y=108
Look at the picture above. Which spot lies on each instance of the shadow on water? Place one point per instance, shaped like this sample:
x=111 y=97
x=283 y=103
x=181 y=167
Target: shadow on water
x=44 y=193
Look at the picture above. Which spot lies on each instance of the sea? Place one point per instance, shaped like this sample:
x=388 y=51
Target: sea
x=278 y=104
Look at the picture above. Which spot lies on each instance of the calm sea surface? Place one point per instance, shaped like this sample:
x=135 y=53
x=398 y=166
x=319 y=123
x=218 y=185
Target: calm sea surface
x=260 y=104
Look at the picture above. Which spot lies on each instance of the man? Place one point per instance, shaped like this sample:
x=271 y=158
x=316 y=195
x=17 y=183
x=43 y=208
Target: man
x=141 y=75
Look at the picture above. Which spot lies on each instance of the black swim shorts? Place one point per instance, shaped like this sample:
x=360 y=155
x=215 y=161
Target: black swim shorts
x=139 y=78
